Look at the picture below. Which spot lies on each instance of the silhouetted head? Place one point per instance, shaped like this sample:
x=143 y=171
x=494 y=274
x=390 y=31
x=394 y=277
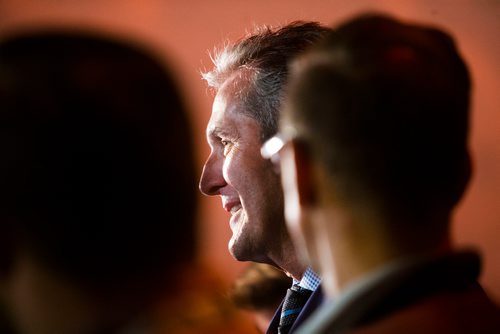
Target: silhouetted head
x=384 y=106
x=97 y=178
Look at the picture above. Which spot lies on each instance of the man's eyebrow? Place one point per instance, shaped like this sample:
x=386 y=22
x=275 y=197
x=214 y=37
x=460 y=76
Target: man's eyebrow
x=220 y=132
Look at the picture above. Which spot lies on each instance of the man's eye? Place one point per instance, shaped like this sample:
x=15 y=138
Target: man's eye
x=226 y=144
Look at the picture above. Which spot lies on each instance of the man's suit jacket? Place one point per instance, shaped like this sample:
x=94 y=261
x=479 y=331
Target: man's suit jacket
x=311 y=305
x=438 y=296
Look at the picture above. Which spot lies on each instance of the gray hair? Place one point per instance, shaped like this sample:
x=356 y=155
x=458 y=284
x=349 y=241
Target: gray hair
x=265 y=55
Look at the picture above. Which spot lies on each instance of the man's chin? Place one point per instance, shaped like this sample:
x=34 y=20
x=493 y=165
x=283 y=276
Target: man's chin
x=238 y=252
x=233 y=250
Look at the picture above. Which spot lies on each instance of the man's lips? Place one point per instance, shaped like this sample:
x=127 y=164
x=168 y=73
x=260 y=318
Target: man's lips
x=235 y=209
x=232 y=206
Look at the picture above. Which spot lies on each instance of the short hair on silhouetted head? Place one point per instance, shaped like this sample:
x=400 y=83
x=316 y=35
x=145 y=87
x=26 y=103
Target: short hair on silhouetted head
x=385 y=106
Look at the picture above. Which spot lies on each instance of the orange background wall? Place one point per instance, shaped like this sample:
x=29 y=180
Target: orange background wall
x=185 y=30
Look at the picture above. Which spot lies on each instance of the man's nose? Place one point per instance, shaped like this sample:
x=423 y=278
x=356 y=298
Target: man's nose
x=211 y=179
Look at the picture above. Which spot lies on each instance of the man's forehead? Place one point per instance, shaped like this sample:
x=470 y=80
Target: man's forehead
x=228 y=108
x=229 y=102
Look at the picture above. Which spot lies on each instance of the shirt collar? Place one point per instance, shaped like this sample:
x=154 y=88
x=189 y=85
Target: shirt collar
x=310 y=280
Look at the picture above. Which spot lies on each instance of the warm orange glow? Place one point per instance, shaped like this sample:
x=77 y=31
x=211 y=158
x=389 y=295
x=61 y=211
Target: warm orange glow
x=186 y=30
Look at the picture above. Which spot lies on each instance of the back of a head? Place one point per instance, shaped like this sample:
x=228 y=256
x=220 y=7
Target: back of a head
x=97 y=179
x=385 y=105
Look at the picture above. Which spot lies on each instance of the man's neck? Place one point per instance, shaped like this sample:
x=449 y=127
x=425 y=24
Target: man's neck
x=358 y=249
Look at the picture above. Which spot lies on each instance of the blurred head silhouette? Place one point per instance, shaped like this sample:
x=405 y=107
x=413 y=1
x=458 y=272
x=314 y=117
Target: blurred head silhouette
x=382 y=109
x=97 y=184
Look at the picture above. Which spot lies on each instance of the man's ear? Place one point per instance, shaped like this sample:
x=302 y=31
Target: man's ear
x=306 y=187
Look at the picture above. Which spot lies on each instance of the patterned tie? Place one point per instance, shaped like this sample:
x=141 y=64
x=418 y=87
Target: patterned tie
x=295 y=299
